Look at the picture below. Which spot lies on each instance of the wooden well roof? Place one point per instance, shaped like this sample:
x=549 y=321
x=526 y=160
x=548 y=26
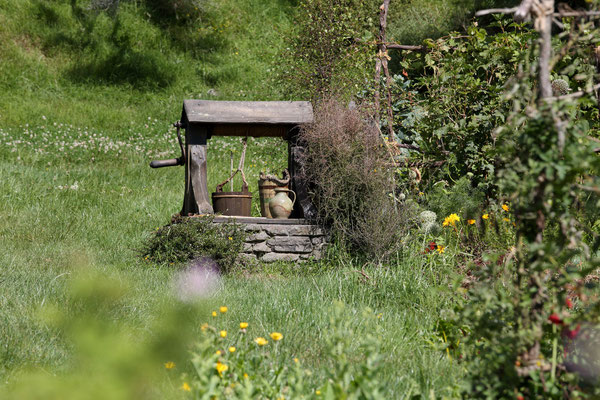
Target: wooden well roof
x=247 y=112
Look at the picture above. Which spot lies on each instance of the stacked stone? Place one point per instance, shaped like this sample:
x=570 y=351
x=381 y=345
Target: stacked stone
x=276 y=242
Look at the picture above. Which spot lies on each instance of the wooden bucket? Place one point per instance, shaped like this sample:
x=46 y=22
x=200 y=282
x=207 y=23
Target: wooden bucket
x=233 y=203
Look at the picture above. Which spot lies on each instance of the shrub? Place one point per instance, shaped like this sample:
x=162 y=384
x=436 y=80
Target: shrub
x=461 y=81
x=347 y=164
x=329 y=53
x=187 y=239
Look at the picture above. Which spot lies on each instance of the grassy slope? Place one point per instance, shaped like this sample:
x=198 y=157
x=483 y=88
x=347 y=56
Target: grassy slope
x=88 y=198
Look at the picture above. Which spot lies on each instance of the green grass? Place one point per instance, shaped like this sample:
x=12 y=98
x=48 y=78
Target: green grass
x=76 y=192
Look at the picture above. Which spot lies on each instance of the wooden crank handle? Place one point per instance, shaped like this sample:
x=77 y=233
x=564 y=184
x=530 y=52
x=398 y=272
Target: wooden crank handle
x=172 y=162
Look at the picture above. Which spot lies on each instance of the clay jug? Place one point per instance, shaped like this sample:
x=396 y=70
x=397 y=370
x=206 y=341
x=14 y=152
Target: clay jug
x=281 y=206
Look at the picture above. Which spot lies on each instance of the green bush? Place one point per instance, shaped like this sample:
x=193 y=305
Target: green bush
x=189 y=238
x=329 y=53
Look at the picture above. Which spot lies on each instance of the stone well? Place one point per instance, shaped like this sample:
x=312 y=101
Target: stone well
x=271 y=240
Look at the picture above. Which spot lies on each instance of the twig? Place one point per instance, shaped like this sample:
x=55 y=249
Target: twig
x=576 y=13
x=589 y=188
x=396 y=46
x=575 y=95
x=496 y=11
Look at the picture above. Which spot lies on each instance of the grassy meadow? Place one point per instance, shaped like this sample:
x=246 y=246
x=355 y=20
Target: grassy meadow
x=79 y=125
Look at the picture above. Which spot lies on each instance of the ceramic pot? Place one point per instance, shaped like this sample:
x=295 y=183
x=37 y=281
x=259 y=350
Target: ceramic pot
x=281 y=205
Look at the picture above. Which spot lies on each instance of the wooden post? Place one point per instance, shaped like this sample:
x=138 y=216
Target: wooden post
x=196 y=199
x=304 y=208
x=597 y=53
x=382 y=57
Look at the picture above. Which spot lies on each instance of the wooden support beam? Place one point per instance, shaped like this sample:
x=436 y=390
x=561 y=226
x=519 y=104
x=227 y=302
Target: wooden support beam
x=196 y=199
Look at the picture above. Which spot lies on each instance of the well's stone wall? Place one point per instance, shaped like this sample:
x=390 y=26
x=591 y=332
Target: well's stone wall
x=271 y=240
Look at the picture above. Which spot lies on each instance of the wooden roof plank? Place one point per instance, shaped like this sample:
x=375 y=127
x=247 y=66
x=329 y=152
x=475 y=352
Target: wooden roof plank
x=248 y=112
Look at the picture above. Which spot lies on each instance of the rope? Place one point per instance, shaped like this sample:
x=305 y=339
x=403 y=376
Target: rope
x=239 y=169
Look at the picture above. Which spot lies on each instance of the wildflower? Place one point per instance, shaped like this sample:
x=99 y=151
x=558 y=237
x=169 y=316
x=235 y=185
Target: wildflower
x=430 y=247
x=569 y=303
x=218 y=352
x=555 y=319
x=170 y=365
x=572 y=333
x=261 y=341
x=214 y=314
x=243 y=325
x=379 y=316
x=470 y=221
x=222 y=309
x=276 y=336
x=485 y=216
x=505 y=207
x=440 y=249
x=186 y=387
x=230 y=238
x=220 y=367
x=223 y=334
x=452 y=219
x=505 y=219
x=204 y=327
x=318 y=392
x=245 y=375
x=421 y=193
x=232 y=349
x=296 y=360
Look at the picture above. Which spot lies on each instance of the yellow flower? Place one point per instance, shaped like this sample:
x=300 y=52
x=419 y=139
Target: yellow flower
x=232 y=349
x=421 y=194
x=485 y=216
x=204 y=327
x=214 y=314
x=223 y=334
x=505 y=219
x=245 y=375
x=379 y=316
x=218 y=352
x=296 y=360
x=223 y=309
x=230 y=238
x=441 y=249
x=261 y=341
x=186 y=387
x=243 y=325
x=505 y=207
x=221 y=368
x=470 y=221
x=170 y=365
x=451 y=219
x=276 y=336
x=318 y=392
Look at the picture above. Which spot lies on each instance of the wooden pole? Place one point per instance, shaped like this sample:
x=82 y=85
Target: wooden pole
x=597 y=87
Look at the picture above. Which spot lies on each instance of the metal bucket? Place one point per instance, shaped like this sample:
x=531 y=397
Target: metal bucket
x=232 y=203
